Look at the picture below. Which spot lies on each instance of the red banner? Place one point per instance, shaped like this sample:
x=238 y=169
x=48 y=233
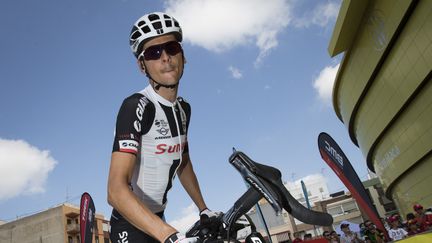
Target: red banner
x=87 y=217
x=333 y=155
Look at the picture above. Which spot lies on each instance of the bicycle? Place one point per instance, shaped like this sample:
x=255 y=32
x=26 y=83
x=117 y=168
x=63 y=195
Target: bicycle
x=265 y=182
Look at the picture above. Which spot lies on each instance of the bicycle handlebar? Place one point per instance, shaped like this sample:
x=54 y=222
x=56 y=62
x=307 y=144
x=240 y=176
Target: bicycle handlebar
x=268 y=182
x=265 y=182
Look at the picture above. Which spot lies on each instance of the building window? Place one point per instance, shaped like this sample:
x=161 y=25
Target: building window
x=345 y=208
x=350 y=207
x=97 y=239
x=335 y=211
x=105 y=227
x=70 y=240
x=69 y=221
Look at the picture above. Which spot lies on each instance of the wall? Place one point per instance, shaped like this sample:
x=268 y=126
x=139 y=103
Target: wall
x=383 y=95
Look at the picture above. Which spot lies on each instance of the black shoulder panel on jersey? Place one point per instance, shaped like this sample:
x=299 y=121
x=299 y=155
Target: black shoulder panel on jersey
x=134 y=119
x=186 y=107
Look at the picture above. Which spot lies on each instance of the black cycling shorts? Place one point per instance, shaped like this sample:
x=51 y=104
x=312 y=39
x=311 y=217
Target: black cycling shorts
x=124 y=232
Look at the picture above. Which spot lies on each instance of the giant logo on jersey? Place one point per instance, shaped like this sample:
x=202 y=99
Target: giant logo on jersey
x=130 y=146
x=139 y=113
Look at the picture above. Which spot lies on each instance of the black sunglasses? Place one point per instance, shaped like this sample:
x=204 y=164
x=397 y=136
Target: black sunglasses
x=172 y=48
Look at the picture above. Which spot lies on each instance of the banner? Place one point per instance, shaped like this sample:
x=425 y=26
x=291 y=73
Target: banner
x=87 y=217
x=333 y=155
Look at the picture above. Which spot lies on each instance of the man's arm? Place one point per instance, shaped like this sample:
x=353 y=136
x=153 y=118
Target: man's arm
x=189 y=181
x=127 y=204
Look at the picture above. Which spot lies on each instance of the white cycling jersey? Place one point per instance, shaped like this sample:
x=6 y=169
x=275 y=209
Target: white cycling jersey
x=155 y=130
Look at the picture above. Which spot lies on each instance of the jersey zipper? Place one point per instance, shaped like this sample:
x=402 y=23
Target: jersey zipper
x=178 y=129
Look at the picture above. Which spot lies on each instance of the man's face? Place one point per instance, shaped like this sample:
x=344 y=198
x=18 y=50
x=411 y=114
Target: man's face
x=370 y=226
x=345 y=229
x=167 y=69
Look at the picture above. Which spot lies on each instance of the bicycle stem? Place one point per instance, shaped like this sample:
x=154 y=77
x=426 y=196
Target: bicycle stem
x=241 y=206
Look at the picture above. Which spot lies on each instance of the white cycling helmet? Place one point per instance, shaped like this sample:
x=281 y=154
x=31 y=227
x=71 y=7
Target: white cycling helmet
x=152 y=25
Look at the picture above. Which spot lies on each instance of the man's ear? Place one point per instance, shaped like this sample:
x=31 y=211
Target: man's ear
x=141 y=65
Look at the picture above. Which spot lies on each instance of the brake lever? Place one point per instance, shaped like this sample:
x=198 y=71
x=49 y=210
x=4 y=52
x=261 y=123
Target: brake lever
x=247 y=170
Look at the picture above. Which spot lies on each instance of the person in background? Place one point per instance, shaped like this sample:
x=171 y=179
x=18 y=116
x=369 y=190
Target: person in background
x=372 y=234
x=297 y=237
x=326 y=235
x=424 y=220
x=396 y=232
x=349 y=236
x=409 y=216
x=362 y=230
x=307 y=237
x=413 y=228
x=334 y=237
x=385 y=223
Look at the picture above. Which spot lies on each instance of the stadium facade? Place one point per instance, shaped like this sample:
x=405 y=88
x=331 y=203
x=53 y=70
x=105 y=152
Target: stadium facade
x=383 y=92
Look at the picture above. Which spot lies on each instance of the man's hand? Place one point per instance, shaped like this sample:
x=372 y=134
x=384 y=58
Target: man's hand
x=210 y=223
x=180 y=238
x=207 y=213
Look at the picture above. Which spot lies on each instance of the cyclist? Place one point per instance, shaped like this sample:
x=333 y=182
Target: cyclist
x=150 y=145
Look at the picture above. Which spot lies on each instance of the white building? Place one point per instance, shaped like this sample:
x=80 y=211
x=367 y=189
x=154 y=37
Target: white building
x=316 y=186
x=317 y=190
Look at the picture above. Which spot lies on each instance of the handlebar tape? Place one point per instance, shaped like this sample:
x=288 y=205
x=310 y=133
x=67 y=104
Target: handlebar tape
x=242 y=206
x=270 y=178
x=300 y=212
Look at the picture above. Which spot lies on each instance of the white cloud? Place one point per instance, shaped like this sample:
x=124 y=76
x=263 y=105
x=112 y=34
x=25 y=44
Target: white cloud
x=235 y=72
x=321 y=15
x=188 y=217
x=324 y=83
x=23 y=168
x=309 y=179
x=219 y=25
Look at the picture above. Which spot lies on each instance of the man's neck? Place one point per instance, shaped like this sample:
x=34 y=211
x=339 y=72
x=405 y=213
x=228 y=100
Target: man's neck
x=169 y=94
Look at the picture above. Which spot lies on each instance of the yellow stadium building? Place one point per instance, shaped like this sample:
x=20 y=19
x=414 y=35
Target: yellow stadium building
x=383 y=92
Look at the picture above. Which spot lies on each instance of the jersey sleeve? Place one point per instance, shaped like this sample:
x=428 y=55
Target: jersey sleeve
x=134 y=119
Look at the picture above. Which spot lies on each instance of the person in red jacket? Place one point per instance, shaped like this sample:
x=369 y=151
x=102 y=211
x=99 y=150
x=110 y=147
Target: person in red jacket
x=424 y=220
x=413 y=228
x=297 y=238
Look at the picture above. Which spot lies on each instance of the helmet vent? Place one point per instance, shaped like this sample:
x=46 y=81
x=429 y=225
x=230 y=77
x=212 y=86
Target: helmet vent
x=135 y=35
x=157 y=25
x=153 y=17
x=141 y=23
x=145 y=29
x=168 y=23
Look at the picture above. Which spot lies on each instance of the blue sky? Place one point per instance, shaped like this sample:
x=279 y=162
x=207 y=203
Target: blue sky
x=258 y=78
